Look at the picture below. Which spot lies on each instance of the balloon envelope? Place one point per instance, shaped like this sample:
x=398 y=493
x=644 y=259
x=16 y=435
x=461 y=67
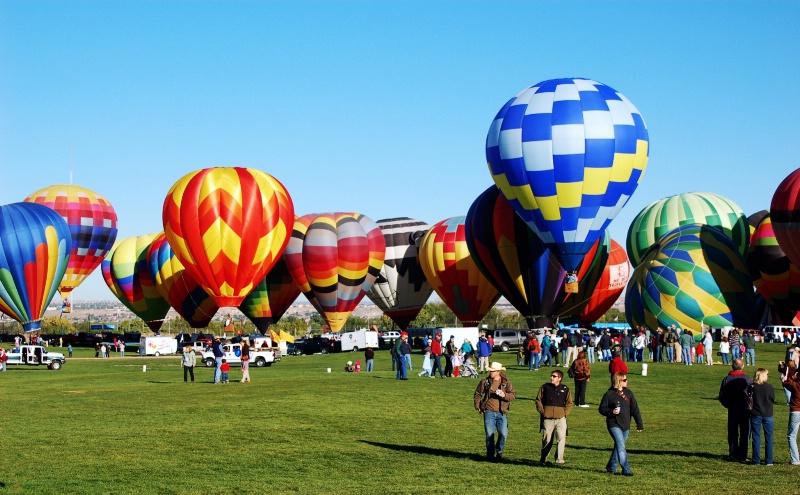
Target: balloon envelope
x=568 y=154
x=775 y=277
x=175 y=285
x=785 y=213
x=694 y=275
x=228 y=227
x=334 y=258
x=128 y=275
x=665 y=215
x=270 y=299
x=92 y=224
x=401 y=289
x=34 y=252
x=610 y=286
x=453 y=273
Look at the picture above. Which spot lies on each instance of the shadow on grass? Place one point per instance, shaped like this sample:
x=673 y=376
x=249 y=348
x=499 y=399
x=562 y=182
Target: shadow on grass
x=682 y=453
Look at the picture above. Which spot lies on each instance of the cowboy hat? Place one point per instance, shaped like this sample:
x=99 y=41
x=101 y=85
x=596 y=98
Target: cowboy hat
x=495 y=366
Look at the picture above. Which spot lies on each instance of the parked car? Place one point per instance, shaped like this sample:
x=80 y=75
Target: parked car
x=233 y=353
x=506 y=339
x=34 y=355
x=315 y=345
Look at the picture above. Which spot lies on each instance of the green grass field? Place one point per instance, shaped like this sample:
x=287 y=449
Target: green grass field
x=104 y=426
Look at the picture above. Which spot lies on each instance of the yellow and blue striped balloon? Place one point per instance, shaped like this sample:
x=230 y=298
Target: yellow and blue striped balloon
x=568 y=154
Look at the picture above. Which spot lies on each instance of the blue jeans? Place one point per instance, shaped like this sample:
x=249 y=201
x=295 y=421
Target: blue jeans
x=640 y=355
x=495 y=421
x=370 y=362
x=590 y=354
x=794 y=426
x=670 y=353
x=437 y=364
x=756 y=424
x=407 y=357
x=736 y=352
x=606 y=355
x=726 y=358
x=401 y=368
x=659 y=357
x=546 y=358
x=686 y=355
x=750 y=357
x=217 y=371
x=626 y=354
x=533 y=362
x=619 y=454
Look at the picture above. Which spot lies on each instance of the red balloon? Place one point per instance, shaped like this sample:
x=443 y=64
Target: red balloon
x=611 y=284
x=785 y=214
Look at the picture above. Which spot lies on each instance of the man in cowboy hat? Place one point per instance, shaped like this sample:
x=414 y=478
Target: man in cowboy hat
x=492 y=398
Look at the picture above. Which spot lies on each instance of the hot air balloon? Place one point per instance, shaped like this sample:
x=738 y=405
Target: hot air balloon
x=589 y=273
x=273 y=295
x=775 y=277
x=513 y=258
x=34 y=251
x=608 y=289
x=92 y=224
x=753 y=221
x=176 y=286
x=785 y=213
x=453 y=273
x=334 y=258
x=401 y=289
x=694 y=276
x=228 y=227
x=127 y=274
x=666 y=214
x=568 y=154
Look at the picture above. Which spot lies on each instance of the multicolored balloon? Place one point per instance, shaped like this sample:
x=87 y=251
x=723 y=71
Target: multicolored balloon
x=609 y=288
x=775 y=277
x=568 y=154
x=513 y=258
x=453 y=272
x=334 y=258
x=665 y=215
x=270 y=299
x=35 y=243
x=694 y=276
x=589 y=274
x=127 y=274
x=92 y=223
x=175 y=285
x=228 y=227
x=785 y=213
x=401 y=289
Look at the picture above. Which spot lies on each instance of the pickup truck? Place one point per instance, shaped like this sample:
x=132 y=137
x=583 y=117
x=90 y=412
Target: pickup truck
x=314 y=345
x=259 y=358
x=34 y=355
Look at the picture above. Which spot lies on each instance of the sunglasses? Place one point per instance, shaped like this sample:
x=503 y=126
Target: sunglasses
x=554 y=376
x=624 y=379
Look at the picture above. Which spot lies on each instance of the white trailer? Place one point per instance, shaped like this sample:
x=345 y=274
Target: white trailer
x=472 y=334
x=359 y=340
x=157 y=346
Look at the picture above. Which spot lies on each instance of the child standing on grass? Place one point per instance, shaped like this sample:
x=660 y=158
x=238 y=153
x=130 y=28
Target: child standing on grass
x=224 y=369
x=521 y=356
x=700 y=351
x=427 y=365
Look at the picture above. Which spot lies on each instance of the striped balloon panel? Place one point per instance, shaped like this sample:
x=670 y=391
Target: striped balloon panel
x=775 y=277
x=272 y=296
x=228 y=227
x=453 y=273
x=175 y=285
x=92 y=224
x=664 y=215
x=568 y=154
x=401 y=289
x=334 y=258
x=34 y=253
x=108 y=277
x=785 y=213
x=753 y=221
x=694 y=276
x=131 y=274
x=612 y=283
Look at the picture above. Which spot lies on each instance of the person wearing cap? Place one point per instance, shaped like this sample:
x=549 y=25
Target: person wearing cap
x=401 y=348
x=436 y=355
x=219 y=353
x=449 y=350
x=492 y=399
x=605 y=346
x=554 y=403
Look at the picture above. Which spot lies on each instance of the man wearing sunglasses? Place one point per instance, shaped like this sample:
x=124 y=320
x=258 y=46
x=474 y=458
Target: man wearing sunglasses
x=554 y=403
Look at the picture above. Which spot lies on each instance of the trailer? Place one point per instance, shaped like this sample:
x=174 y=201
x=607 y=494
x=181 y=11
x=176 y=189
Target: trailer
x=157 y=346
x=359 y=340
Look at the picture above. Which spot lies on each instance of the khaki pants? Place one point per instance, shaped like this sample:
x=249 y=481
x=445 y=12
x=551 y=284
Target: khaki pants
x=572 y=355
x=560 y=427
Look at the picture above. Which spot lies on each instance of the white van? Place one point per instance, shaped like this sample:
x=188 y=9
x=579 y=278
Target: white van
x=156 y=346
x=472 y=334
x=358 y=340
x=774 y=333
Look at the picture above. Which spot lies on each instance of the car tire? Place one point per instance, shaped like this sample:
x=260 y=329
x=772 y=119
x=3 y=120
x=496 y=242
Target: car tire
x=210 y=363
x=55 y=365
x=504 y=347
x=260 y=362
x=355 y=349
x=157 y=354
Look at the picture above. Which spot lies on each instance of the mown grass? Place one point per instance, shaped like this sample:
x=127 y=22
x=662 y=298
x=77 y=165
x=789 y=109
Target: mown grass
x=104 y=426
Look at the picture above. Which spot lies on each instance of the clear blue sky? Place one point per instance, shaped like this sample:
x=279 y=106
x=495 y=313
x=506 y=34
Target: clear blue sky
x=380 y=107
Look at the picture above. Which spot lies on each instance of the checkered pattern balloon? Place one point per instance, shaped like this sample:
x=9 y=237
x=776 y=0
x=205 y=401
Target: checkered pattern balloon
x=334 y=258
x=92 y=225
x=401 y=289
x=270 y=299
x=666 y=214
x=128 y=276
x=775 y=277
x=785 y=213
x=453 y=273
x=568 y=154
x=228 y=226
x=175 y=285
x=694 y=275
x=35 y=243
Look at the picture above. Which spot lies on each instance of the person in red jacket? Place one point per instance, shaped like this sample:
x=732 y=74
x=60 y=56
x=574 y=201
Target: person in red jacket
x=616 y=365
x=436 y=355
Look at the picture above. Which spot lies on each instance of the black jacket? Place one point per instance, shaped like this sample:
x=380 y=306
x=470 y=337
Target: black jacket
x=628 y=406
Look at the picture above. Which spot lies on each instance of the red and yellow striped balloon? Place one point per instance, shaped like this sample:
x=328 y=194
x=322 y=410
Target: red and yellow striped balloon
x=228 y=226
x=334 y=258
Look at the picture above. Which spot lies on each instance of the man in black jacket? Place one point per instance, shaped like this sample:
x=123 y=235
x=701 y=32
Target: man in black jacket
x=554 y=403
x=733 y=395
